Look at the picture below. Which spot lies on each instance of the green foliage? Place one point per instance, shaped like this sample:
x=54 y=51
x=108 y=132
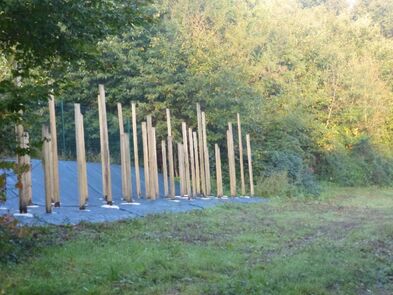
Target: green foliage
x=310 y=78
x=274 y=185
x=362 y=165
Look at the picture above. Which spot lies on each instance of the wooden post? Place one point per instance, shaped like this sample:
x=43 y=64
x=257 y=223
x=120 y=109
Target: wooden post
x=192 y=162
x=180 y=150
x=218 y=172
x=102 y=148
x=206 y=155
x=196 y=158
x=136 y=156
x=55 y=159
x=146 y=167
x=128 y=191
x=46 y=158
x=164 y=168
x=22 y=162
x=84 y=166
x=105 y=145
x=239 y=132
x=156 y=186
x=250 y=165
x=27 y=175
x=171 y=169
x=151 y=158
x=80 y=155
x=168 y=122
x=172 y=192
x=231 y=161
x=186 y=160
x=122 y=152
x=201 y=151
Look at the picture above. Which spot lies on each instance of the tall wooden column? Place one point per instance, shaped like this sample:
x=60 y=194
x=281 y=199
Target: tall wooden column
x=105 y=146
x=201 y=151
x=172 y=192
x=218 y=172
x=250 y=165
x=231 y=161
x=55 y=159
x=206 y=155
x=239 y=132
x=150 y=153
x=192 y=162
x=164 y=168
x=180 y=150
x=84 y=166
x=122 y=152
x=27 y=174
x=155 y=171
x=127 y=160
x=168 y=122
x=196 y=158
x=186 y=160
x=136 y=156
x=46 y=159
x=22 y=161
x=81 y=157
x=146 y=167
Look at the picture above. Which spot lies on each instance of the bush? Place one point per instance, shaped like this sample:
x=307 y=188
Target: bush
x=289 y=171
x=361 y=165
x=275 y=185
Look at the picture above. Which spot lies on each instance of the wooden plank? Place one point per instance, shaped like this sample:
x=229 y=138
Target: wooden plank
x=84 y=166
x=55 y=159
x=105 y=151
x=196 y=158
x=46 y=158
x=180 y=150
x=27 y=175
x=164 y=167
x=151 y=157
x=192 y=162
x=122 y=151
x=239 y=132
x=206 y=156
x=156 y=186
x=146 y=168
x=250 y=165
x=128 y=191
x=231 y=161
x=171 y=159
x=168 y=122
x=22 y=162
x=102 y=147
x=171 y=169
x=201 y=151
x=136 y=155
x=218 y=172
x=186 y=160
x=79 y=155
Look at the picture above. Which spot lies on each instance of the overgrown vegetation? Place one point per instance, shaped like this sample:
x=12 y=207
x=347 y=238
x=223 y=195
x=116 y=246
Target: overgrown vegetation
x=312 y=80
x=341 y=243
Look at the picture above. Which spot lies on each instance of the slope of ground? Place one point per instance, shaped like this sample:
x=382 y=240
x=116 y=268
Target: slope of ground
x=339 y=244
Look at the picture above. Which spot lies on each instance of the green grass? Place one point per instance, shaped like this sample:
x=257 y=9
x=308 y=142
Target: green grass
x=341 y=243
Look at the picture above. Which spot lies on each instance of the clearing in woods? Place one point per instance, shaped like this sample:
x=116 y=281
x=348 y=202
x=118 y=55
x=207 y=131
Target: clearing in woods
x=341 y=243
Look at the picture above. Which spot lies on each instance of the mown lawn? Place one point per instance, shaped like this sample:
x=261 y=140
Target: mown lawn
x=341 y=243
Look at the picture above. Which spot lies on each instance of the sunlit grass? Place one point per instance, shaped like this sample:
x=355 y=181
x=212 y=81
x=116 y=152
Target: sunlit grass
x=340 y=244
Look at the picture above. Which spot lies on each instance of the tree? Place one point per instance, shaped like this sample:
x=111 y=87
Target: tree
x=39 y=40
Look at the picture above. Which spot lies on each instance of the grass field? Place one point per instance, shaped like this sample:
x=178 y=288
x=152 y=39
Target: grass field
x=341 y=243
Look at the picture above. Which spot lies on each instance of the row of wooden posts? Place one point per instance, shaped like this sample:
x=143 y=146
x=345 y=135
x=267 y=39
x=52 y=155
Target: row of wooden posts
x=193 y=159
